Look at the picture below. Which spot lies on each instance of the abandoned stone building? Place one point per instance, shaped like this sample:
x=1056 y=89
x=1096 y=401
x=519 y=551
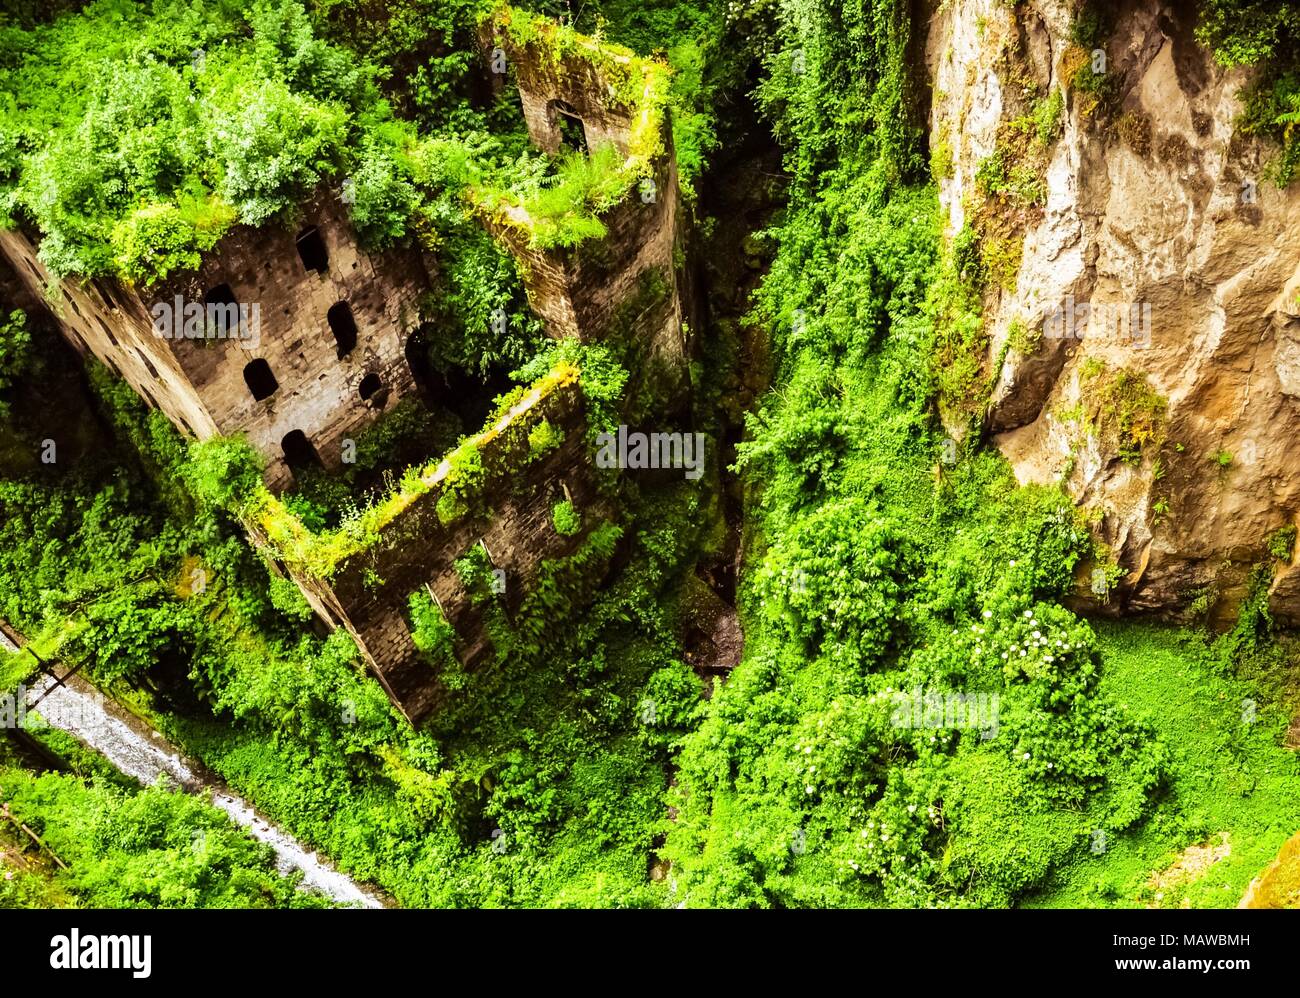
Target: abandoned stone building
x=593 y=292
x=581 y=98
x=331 y=354
x=366 y=589
x=319 y=350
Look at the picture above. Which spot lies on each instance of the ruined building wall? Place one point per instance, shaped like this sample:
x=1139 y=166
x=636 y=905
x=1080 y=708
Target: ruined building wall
x=200 y=383
x=107 y=320
x=368 y=592
x=548 y=86
x=584 y=291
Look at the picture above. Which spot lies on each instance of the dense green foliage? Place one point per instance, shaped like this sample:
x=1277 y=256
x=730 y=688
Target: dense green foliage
x=886 y=570
x=137 y=133
x=882 y=560
x=130 y=847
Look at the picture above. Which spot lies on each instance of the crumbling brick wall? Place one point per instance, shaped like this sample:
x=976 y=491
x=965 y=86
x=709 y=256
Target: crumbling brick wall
x=581 y=291
x=368 y=592
x=200 y=384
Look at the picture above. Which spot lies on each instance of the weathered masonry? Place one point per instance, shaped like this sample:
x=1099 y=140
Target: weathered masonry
x=362 y=576
x=625 y=289
x=580 y=94
x=330 y=353
x=318 y=350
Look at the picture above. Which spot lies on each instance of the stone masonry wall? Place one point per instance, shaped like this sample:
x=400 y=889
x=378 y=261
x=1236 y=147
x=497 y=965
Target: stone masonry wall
x=368 y=592
x=200 y=384
x=581 y=291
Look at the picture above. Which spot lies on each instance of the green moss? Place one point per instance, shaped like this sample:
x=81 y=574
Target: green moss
x=1281 y=542
x=461 y=476
x=1129 y=413
x=121 y=173
x=435 y=638
x=566 y=212
x=941 y=156
x=1228 y=773
x=1024 y=340
x=543 y=439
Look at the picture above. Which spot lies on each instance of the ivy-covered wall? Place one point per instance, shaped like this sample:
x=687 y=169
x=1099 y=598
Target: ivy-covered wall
x=499 y=490
x=581 y=289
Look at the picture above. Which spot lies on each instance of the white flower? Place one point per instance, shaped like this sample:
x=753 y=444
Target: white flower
x=808 y=789
x=988 y=614
x=1028 y=613
x=1025 y=757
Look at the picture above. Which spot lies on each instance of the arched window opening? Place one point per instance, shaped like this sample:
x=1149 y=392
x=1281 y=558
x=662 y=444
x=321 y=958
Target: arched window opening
x=572 y=131
x=221 y=312
x=311 y=250
x=343 y=326
x=370 y=388
x=416 y=351
x=298 y=451
x=261 y=382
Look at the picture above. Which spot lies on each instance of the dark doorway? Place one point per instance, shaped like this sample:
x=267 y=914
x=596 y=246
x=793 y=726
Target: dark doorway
x=298 y=451
x=573 y=133
x=417 y=359
x=343 y=326
x=311 y=250
x=370 y=388
x=473 y=398
x=261 y=382
x=223 y=322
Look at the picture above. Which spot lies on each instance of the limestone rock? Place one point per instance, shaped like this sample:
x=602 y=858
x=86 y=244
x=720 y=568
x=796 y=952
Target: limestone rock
x=1155 y=210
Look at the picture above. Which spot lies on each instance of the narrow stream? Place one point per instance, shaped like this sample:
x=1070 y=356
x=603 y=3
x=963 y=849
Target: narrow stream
x=139 y=751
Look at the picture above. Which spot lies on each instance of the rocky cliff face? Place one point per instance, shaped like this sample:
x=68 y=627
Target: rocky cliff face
x=1143 y=342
